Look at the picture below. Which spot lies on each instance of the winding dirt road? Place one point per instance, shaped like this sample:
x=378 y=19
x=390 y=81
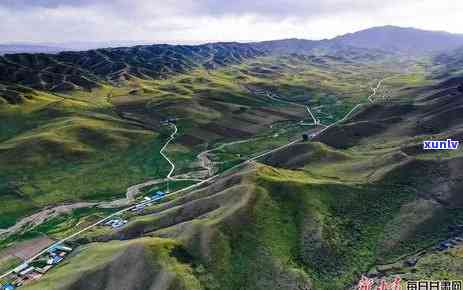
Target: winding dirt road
x=205 y=161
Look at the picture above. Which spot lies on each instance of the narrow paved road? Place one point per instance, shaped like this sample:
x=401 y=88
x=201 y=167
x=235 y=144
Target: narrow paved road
x=307 y=107
x=375 y=90
x=41 y=216
x=172 y=164
x=370 y=100
x=207 y=164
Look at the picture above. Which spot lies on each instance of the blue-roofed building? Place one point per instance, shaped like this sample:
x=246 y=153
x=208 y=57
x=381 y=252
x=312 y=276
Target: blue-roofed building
x=8 y=287
x=59 y=247
x=158 y=194
x=57 y=259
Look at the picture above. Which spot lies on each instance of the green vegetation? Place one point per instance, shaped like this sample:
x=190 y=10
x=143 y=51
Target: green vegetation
x=313 y=230
x=232 y=154
x=314 y=217
x=74 y=146
x=436 y=266
x=100 y=176
x=147 y=257
x=289 y=216
x=59 y=227
x=9 y=262
x=60 y=142
x=64 y=225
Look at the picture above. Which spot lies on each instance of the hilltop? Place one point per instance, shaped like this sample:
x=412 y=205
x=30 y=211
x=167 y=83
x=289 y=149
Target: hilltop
x=400 y=39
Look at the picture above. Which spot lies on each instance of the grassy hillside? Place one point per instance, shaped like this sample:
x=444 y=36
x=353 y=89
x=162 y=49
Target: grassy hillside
x=315 y=215
x=56 y=150
x=66 y=146
x=320 y=214
x=285 y=229
x=153 y=263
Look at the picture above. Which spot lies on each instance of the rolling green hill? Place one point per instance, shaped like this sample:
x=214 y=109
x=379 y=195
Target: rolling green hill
x=363 y=197
x=360 y=198
x=51 y=141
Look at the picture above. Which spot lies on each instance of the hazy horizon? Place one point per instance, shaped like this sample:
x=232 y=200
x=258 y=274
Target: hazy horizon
x=187 y=21
x=102 y=44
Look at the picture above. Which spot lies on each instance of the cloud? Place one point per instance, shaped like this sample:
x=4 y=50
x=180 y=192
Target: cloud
x=281 y=8
x=30 y=4
x=213 y=20
x=294 y=8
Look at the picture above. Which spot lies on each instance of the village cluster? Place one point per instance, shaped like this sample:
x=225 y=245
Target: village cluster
x=118 y=222
x=28 y=272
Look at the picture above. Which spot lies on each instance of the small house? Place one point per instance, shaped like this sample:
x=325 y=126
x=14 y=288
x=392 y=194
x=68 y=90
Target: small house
x=21 y=268
x=158 y=196
x=109 y=223
x=116 y=223
x=8 y=287
x=138 y=207
x=159 y=193
x=57 y=259
x=34 y=276
x=44 y=269
x=119 y=223
x=26 y=271
x=445 y=245
x=63 y=248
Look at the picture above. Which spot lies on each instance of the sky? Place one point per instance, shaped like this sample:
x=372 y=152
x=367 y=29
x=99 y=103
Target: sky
x=196 y=21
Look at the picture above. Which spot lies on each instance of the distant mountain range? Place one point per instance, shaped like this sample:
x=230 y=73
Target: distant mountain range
x=66 y=46
x=69 y=70
x=63 y=71
x=398 y=39
x=389 y=39
x=361 y=197
x=28 y=48
x=385 y=38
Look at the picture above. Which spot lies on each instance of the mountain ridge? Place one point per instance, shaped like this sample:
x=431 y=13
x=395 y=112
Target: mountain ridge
x=298 y=45
x=394 y=38
x=316 y=214
x=70 y=70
